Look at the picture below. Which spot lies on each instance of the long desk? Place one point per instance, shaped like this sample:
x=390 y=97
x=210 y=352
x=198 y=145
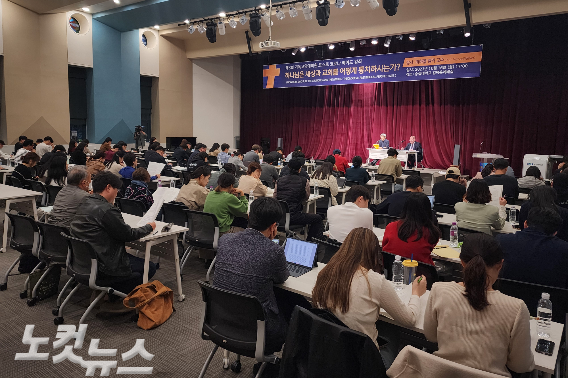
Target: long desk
x=447 y=219
x=304 y=285
x=6 y=171
x=12 y=194
x=381 y=153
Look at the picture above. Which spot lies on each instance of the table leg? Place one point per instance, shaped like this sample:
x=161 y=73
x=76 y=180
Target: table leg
x=181 y=297
x=343 y=199
x=378 y=187
x=147 y=262
x=5 y=237
x=34 y=208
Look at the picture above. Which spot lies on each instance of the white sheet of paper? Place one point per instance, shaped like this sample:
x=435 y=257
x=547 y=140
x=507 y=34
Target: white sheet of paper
x=155 y=168
x=161 y=195
x=496 y=193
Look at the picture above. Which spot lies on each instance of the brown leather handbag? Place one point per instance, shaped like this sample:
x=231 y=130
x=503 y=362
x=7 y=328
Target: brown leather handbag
x=154 y=303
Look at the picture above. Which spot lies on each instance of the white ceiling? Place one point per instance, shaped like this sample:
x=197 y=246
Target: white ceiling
x=57 y=6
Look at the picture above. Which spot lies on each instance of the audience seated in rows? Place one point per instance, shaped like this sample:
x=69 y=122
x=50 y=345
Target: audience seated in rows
x=199 y=147
x=391 y=166
x=353 y=214
x=227 y=203
x=58 y=149
x=356 y=172
x=100 y=223
x=252 y=155
x=70 y=197
x=251 y=181
x=475 y=325
x=194 y=193
x=181 y=155
x=341 y=163
x=291 y=154
x=96 y=164
x=227 y=168
x=353 y=287
x=138 y=188
x=474 y=213
x=198 y=160
x=131 y=163
x=416 y=233
x=451 y=190
x=44 y=147
x=79 y=156
x=277 y=155
x=269 y=172
x=532 y=179
x=294 y=189
x=110 y=153
x=323 y=177
x=500 y=177
x=544 y=196
x=394 y=204
x=27 y=146
x=486 y=171
x=296 y=155
x=237 y=161
x=106 y=145
x=24 y=171
x=223 y=157
x=214 y=150
x=56 y=174
x=20 y=143
x=117 y=163
x=535 y=254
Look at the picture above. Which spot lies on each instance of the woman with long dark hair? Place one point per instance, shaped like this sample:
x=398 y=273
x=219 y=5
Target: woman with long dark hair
x=117 y=163
x=353 y=287
x=475 y=325
x=72 y=146
x=214 y=150
x=544 y=196
x=474 y=213
x=57 y=171
x=78 y=156
x=415 y=234
x=532 y=179
x=323 y=177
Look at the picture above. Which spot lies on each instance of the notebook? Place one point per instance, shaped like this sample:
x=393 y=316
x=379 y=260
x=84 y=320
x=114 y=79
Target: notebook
x=300 y=256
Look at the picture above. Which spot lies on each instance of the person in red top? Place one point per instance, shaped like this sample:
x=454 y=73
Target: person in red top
x=340 y=162
x=416 y=233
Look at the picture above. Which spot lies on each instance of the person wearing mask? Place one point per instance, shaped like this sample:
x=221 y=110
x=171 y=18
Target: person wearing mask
x=250 y=263
x=3 y=155
x=20 y=143
x=535 y=254
x=138 y=188
x=45 y=146
x=499 y=177
x=294 y=189
x=181 y=155
x=27 y=146
x=560 y=184
x=70 y=197
x=391 y=166
x=269 y=172
x=474 y=213
x=356 y=172
x=251 y=181
x=341 y=163
x=200 y=161
x=96 y=164
x=545 y=197
x=58 y=149
x=100 y=223
x=394 y=204
x=277 y=155
x=416 y=233
x=79 y=157
x=139 y=137
x=532 y=179
x=227 y=168
x=23 y=171
x=286 y=170
x=413 y=145
x=353 y=214
x=223 y=157
x=106 y=146
x=237 y=161
x=227 y=203
x=291 y=154
x=117 y=163
x=252 y=155
x=451 y=190
x=352 y=286
x=56 y=175
x=383 y=142
x=493 y=329
x=194 y=193
x=323 y=177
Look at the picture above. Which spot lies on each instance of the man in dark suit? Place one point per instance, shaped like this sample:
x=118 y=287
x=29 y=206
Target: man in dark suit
x=413 y=145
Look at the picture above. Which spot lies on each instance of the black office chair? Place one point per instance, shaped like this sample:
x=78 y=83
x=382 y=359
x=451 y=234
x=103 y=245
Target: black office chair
x=324 y=203
x=525 y=190
x=383 y=220
x=125 y=184
x=52 y=252
x=341 y=182
x=38 y=186
x=214 y=168
x=284 y=224
x=82 y=266
x=130 y=206
x=462 y=232
x=326 y=249
x=177 y=213
x=427 y=270
x=52 y=192
x=142 y=163
x=24 y=239
x=241 y=332
x=351 y=183
x=389 y=182
x=203 y=233
x=14 y=182
x=443 y=208
x=410 y=172
x=510 y=200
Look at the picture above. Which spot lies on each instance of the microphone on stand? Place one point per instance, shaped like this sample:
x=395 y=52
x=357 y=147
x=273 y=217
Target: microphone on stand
x=480 y=147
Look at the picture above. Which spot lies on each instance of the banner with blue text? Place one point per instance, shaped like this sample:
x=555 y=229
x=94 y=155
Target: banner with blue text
x=451 y=63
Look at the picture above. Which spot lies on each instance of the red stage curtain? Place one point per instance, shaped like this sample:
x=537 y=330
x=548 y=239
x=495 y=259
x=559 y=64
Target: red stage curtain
x=519 y=105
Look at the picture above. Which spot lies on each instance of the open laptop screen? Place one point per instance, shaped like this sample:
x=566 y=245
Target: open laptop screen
x=300 y=252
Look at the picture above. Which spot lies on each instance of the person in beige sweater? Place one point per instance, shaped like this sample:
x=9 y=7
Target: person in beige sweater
x=475 y=325
x=252 y=181
x=352 y=287
x=324 y=178
x=96 y=164
x=474 y=213
x=194 y=193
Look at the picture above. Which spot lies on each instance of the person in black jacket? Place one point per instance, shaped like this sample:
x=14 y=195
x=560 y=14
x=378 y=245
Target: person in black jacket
x=23 y=171
x=100 y=223
x=181 y=155
x=413 y=145
x=296 y=155
x=356 y=172
x=20 y=143
x=78 y=156
x=394 y=204
x=500 y=177
x=450 y=191
x=201 y=160
x=295 y=189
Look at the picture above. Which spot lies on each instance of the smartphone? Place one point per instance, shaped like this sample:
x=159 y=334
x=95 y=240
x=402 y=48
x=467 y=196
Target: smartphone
x=277 y=241
x=167 y=227
x=544 y=346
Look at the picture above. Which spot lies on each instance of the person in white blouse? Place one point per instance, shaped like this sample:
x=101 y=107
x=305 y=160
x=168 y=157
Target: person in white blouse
x=354 y=213
x=3 y=155
x=323 y=177
x=27 y=146
x=44 y=147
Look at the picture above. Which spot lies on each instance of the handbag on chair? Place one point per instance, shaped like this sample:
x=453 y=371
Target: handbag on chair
x=154 y=302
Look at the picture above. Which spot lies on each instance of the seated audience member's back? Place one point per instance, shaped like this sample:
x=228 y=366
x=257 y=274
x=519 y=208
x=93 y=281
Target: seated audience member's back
x=394 y=204
x=535 y=254
x=544 y=196
x=138 y=188
x=475 y=325
x=449 y=191
x=353 y=214
x=500 y=177
x=70 y=198
x=249 y=262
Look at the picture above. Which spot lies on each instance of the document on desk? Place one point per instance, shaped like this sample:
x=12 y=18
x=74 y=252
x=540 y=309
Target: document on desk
x=161 y=195
x=155 y=168
x=496 y=193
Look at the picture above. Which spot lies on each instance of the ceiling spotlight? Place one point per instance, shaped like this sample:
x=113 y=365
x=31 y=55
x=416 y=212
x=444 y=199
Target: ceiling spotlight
x=391 y=6
x=243 y=20
x=211 y=31
x=412 y=37
x=232 y=23
x=191 y=29
x=373 y=4
x=293 y=11
x=221 y=27
x=400 y=37
x=302 y=49
x=279 y=14
x=201 y=28
x=374 y=41
x=85 y=9
x=466 y=32
x=186 y=21
x=466 y=6
x=339 y=3
x=388 y=41
x=222 y=14
x=156 y=26
x=307 y=11
x=266 y=19
x=363 y=42
x=255 y=24
x=355 y=3
x=331 y=46
x=295 y=51
x=117 y=1
x=263 y=6
x=441 y=31
x=352 y=45
x=322 y=13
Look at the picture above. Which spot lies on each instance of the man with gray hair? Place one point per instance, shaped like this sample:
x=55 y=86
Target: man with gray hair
x=70 y=197
x=383 y=142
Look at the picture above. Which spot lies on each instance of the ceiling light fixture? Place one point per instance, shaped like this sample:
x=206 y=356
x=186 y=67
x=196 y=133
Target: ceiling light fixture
x=186 y=21
x=339 y=3
x=363 y=42
x=307 y=11
x=191 y=29
x=374 y=4
x=388 y=41
x=232 y=23
x=266 y=19
x=263 y=6
x=391 y=6
x=221 y=27
x=243 y=20
x=293 y=11
x=255 y=24
x=374 y=41
x=222 y=14
x=211 y=31
x=331 y=46
x=400 y=37
x=355 y=3
x=201 y=28
x=302 y=49
x=322 y=13
x=412 y=37
x=279 y=14
x=352 y=45
x=156 y=27
x=117 y=1
x=85 y=9
x=467 y=29
x=295 y=51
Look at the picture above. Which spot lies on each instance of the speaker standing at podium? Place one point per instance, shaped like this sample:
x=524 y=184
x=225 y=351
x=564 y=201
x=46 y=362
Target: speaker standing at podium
x=413 y=146
x=383 y=142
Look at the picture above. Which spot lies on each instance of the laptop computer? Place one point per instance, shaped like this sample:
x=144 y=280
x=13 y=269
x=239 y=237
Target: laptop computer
x=300 y=256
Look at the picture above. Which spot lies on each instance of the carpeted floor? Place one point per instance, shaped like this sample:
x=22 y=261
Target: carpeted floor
x=177 y=346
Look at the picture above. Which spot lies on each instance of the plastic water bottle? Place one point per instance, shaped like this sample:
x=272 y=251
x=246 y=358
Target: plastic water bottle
x=316 y=190
x=172 y=184
x=251 y=196
x=544 y=315
x=454 y=235
x=159 y=182
x=368 y=160
x=398 y=273
x=372 y=176
x=279 y=162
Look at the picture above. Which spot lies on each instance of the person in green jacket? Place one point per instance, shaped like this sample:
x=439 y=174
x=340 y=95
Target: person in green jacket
x=227 y=203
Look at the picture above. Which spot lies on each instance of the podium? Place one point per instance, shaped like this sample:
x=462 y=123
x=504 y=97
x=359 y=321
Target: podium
x=485 y=157
x=381 y=153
